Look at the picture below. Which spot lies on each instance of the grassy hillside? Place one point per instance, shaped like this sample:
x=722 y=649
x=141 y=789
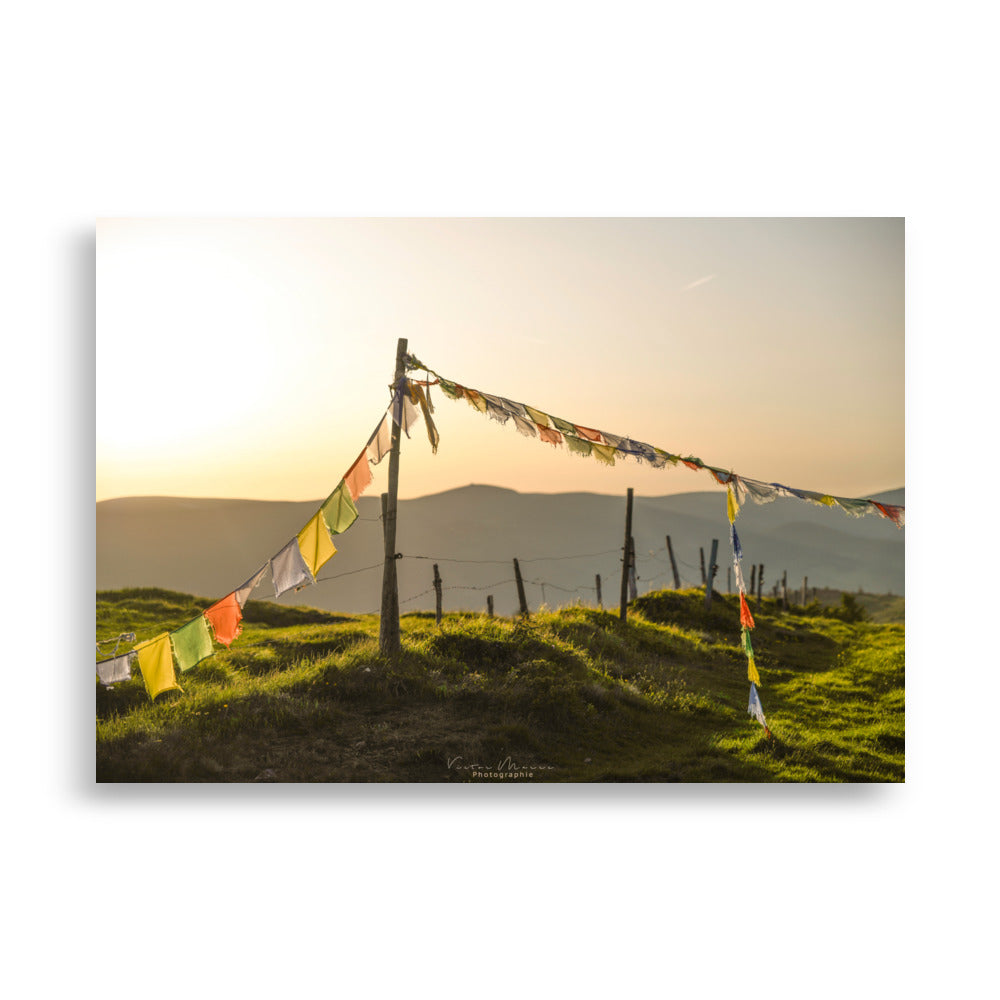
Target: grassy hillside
x=572 y=695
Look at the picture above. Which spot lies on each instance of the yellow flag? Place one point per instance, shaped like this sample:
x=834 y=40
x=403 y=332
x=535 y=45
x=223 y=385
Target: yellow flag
x=603 y=453
x=315 y=543
x=156 y=662
x=542 y=419
x=752 y=674
x=732 y=507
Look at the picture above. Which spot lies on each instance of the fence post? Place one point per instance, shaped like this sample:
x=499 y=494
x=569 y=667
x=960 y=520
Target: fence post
x=388 y=629
x=760 y=583
x=712 y=567
x=673 y=565
x=437 y=593
x=623 y=609
x=633 y=588
x=600 y=602
x=805 y=587
x=489 y=605
x=701 y=552
x=520 y=591
x=753 y=580
x=784 y=590
x=729 y=580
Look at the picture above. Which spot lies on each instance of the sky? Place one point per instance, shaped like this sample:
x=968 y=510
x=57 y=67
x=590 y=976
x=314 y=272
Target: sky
x=262 y=350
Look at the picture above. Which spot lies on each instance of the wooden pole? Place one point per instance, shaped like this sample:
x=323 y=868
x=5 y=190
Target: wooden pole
x=760 y=583
x=784 y=589
x=701 y=552
x=805 y=588
x=388 y=631
x=600 y=601
x=623 y=609
x=633 y=587
x=729 y=580
x=712 y=567
x=673 y=565
x=437 y=594
x=520 y=591
x=753 y=579
x=489 y=605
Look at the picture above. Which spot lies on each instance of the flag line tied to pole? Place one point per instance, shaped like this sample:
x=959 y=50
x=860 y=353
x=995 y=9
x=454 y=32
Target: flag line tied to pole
x=297 y=563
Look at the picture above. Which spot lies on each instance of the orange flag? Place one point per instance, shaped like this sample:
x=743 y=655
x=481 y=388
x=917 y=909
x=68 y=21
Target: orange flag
x=225 y=618
x=548 y=435
x=745 y=617
x=590 y=435
x=359 y=476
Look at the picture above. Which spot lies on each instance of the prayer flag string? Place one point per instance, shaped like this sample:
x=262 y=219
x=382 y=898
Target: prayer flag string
x=295 y=566
x=607 y=447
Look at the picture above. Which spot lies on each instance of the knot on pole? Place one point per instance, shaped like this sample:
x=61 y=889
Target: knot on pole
x=398 y=555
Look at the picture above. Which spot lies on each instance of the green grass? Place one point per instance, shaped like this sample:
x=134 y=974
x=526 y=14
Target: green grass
x=304 y=695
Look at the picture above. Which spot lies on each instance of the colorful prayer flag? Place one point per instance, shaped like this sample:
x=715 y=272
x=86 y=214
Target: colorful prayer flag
x=563 y=425
x=225 y=617
x=752 y=674
x=577 y=446
x=754 y=707
x=288 y=569
x=525 y=427
x=117 y=670
x=732 y=507
x=452 y=389
x=417 y=392
x=315 y=543
x=588 y=433
x=156 y=663
x=338 y=509
x=476 y=400
x=380 y=442
x=191 y=643
x=359 y=476
x=745 y=617
x=244 y=591
x=542 y=419
x=603 y=453
x=549 y=436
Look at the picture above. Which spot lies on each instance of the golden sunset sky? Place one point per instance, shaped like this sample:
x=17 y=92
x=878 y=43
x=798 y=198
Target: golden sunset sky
x=251 y=358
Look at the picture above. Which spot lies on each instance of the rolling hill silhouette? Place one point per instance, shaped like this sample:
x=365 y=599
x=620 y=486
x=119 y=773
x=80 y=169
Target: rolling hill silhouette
x=210 y=546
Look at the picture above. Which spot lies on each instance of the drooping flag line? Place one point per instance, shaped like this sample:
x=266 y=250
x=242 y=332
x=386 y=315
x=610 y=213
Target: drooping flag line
x=297 y=564
x=606 y=447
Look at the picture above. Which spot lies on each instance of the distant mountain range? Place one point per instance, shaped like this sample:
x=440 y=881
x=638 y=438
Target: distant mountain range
x=209 y=547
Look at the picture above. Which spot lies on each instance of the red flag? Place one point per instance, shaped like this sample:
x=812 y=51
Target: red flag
x=224 y=617
x=589 y=434
x=548 y=435
x=745 y=617
x=359 y=476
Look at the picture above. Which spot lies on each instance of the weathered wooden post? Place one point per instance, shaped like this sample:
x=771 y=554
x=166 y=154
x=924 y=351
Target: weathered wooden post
x=520 y=591
x=729 y=580
x=633 y=587
x=753 y=580
x=784 y=590
x=437 y=594
x=489 y=605
x=805 y=587
x=600 y=601
x=760 y=583
x=701 y=552
x=623 y=609
x=673 y=565
x=712 y=567
x=388 y=630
